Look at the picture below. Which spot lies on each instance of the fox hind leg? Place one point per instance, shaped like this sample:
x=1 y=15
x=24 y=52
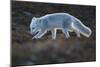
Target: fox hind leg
x=66 y=26
x=77 y=33
x=65 y=31
x=53 y=31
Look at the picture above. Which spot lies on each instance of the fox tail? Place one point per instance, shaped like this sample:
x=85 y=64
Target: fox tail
x=84 y=30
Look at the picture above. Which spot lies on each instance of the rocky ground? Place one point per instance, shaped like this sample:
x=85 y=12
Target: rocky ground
x=25 y=51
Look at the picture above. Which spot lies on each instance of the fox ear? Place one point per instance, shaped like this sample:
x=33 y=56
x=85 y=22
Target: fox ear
x=34 y=18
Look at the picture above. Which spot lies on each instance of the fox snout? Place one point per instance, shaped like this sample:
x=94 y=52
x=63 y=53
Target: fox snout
x=33 y=33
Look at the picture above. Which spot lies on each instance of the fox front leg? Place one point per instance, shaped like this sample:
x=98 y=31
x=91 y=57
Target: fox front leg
x=40 y=34
x=53 y=31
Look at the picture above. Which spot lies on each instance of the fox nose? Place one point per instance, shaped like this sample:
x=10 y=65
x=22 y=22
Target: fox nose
x=31 y=32
x=34 y=33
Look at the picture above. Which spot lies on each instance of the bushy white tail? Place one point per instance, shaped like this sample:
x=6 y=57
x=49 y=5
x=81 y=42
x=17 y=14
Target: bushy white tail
x=84 y=30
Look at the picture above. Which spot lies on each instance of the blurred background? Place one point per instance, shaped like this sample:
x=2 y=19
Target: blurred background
x=25 y=51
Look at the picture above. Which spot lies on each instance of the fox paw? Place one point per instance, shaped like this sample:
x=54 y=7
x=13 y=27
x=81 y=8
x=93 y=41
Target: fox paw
x=35 y=37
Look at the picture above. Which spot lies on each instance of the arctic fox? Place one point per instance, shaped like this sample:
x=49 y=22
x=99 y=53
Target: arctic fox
x=63 y=21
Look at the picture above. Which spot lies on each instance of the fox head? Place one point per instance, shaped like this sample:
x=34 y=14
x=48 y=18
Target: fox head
x=34 y=26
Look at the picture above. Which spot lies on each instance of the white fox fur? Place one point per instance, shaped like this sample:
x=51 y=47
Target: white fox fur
x=63 y=21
